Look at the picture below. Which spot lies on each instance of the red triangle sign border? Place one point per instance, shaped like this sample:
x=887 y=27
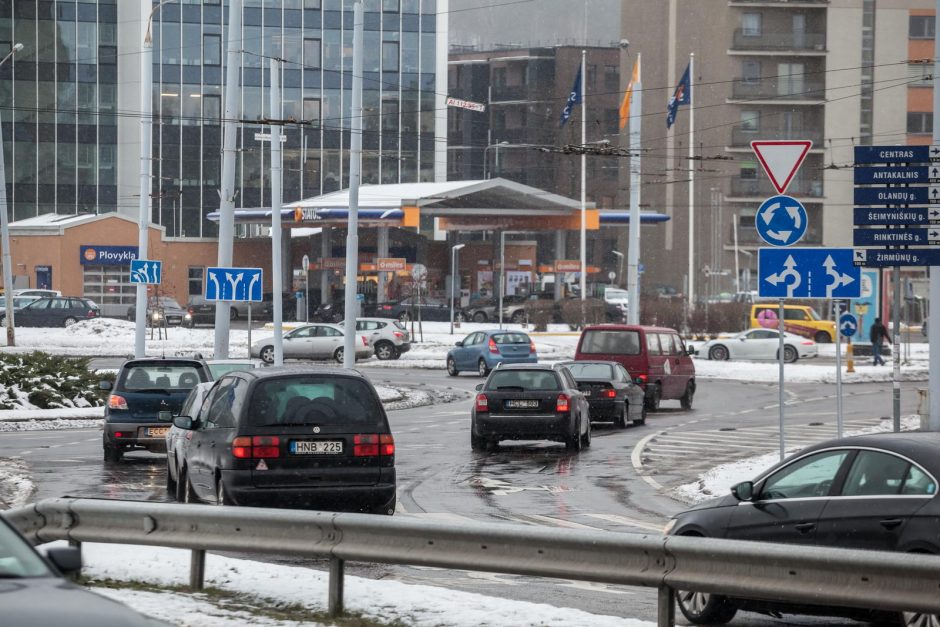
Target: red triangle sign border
x=781 y=187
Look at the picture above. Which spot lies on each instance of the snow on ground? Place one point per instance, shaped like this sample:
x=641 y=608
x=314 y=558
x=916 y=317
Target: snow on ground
x=263 y=585
x=16 y=486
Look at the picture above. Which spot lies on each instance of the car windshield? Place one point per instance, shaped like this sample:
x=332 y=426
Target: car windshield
x=160 y=377
x=615 y=294
x=169 y=302
x=315 y=399
x=524 y=379
x=610 y=342
x=511 y=338
x=590 y=371
x=17 y=558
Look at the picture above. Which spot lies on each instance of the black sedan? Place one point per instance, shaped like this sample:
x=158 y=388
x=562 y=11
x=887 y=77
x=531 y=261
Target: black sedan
x=611 y=393
x=54 y=312
x=530 y=402
x=299 y=437
x=874 y=492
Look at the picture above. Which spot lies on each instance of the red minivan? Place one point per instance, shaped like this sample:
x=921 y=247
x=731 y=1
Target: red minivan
x=655 y=357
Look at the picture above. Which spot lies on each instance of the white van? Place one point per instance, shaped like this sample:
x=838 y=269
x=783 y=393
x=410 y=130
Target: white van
x=618 y=297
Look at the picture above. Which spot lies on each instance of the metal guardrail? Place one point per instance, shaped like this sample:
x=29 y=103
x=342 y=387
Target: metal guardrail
x=799 y=574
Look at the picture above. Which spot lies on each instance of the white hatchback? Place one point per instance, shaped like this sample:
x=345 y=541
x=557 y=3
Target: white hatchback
x=389 y=337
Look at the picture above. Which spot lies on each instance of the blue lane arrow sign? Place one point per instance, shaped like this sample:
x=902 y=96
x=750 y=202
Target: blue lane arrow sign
x=807 y=273
x=897 y=195
x=233 y=284
x=781 y=221
x=146 y=271
x=880 y=258
x=896 y=216
x=848 y=325
x=895 y=237
x=910 y=174
x=896 y=154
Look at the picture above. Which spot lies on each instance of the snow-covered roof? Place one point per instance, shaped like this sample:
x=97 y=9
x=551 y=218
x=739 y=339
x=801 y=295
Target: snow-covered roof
x=56 y=223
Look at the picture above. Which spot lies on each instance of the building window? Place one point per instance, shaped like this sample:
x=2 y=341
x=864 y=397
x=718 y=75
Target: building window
x=211 y=109
x=922 y=27
x=390 y=56
x=750 y=120
x=195 y=280
x=751 y=24
x=611 y=78
x=499 y=78
x=212 y=50
x=750 y=71
x=920 y=74
x=920 y=123
x=312 y=53
x=389 y=114
x=591 y=76
x=312 y=111
x=109 y=285
x=748 y=171
x=390 y=6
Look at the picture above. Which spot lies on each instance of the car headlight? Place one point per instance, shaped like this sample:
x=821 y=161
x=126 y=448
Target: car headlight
x=670 y=526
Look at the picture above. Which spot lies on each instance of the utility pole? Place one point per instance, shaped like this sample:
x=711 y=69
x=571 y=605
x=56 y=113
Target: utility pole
x=933 y=332
x=355 y=162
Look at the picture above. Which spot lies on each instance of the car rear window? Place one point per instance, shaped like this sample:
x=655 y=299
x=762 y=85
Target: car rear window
x=524 y=379
x=610 y=342
x=511 y=338
x=160 y=377
x=590 y=371
x=315 y=399
x=400 y=325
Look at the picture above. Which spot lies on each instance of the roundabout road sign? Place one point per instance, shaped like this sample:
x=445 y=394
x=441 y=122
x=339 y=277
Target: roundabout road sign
x=848 y=325
x=781 y=221
x=767 y=318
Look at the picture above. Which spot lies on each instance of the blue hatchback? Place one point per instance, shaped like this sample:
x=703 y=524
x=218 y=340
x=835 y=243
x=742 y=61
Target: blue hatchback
x=483 y=350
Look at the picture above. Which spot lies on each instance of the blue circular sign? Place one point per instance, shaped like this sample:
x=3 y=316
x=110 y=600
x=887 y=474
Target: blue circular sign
x=848 y=324
x=781 y=221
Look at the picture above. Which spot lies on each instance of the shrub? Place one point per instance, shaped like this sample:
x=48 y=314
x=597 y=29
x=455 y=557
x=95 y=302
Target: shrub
x=540 y=313
x=47 y=381
x=594 y=312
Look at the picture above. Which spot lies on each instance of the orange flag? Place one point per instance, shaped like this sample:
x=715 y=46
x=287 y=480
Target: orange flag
x=625 y=105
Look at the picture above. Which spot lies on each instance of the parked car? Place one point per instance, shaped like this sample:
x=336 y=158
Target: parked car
x=530 y=402
x=199 y=312
x=53 y=312
x=288 y=306
x=481 y=351
x=655 y=357
x=36 y=594
x=298 y=437
x=759 y=344
x=487 y=309
x=142 y=390
x=425 y=308
x=18 y=303
x=38 y=293
x=610 y=392
x=388 y=336
x=237 y=309
x=798 y=319
x=178 y=440
x=160 y=309
x=876 y=492
x=219 y=367
x=311 y=341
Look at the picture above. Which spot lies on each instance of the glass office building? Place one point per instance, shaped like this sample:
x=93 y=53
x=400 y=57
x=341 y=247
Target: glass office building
x=70 y=110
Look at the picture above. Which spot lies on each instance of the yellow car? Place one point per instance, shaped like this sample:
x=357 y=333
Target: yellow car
x=798 y=319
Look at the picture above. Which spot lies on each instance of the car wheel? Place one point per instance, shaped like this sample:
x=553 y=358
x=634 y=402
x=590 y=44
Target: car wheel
x=267 y=354
x=383 y=509
x=385 y=350
x=586 y=440
x=452 y=367
x=482 y=370
x=338 y=355
x=70 y=321
x=112 y=454
x=479 y=317
x=221 y=496
x=404 y=316
x=170 y=481
x=233 y=314
x=653 y=398
x=718 y=353
x=621 y=420
x=789 y=354
x=701 y=608
x=686 y=400
x=518 y=317
x=574 y=442
x=822 y=337
x=477 y=443
x=131 y=316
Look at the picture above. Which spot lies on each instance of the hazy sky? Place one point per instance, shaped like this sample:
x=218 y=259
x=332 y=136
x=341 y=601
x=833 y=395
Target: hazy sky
x=534 y=22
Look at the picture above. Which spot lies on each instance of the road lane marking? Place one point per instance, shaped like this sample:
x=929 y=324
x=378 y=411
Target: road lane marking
x=629 y=522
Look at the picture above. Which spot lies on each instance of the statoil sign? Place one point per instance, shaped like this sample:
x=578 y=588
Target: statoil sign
x=90 y=255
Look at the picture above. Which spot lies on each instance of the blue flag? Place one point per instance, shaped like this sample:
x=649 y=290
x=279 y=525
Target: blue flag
x=682 y=95
x=573 y=98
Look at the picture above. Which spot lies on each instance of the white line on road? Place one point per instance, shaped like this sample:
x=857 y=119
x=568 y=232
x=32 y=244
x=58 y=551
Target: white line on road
x=630 y=522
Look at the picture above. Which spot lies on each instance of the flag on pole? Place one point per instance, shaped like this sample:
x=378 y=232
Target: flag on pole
x=573 y=98
x=628 y=96
x=681 y=96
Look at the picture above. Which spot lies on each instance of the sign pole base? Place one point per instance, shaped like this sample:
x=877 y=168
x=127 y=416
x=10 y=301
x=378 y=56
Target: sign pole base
x=849 y=361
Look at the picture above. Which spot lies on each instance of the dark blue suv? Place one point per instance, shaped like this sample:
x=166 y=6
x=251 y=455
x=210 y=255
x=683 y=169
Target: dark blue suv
x=142 y=390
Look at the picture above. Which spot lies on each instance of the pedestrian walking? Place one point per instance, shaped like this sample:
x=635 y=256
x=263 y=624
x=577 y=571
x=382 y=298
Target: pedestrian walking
x=877 y=334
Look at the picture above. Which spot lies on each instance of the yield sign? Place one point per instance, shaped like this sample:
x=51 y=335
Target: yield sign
x=781 y=159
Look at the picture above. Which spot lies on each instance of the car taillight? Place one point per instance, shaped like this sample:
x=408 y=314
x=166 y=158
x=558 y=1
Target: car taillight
x=190 y=310
x=241 y=448
x=562 y=404
x=807 y=342
x=365 y=342
x=386 y=307
x=399 y=335
x=365 y=445
x=483 y=403
x=92 y=313
x=532 y=346
x=386 y=444
x=493 y=347
x=256 y=447
x=641 y=379
x=117 y=402
x=610 y=394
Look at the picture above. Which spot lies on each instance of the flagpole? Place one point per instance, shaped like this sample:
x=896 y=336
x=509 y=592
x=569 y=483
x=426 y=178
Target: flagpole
x=633 y=249
x=583 y=183
x=691 y=181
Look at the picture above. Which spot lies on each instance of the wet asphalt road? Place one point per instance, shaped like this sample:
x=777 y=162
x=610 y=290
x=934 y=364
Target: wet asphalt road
x=621 y=484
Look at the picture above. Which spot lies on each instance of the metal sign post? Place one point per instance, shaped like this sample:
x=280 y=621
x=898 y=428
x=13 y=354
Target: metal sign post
x=305 y=262
x=847 y=326
x=780 y=328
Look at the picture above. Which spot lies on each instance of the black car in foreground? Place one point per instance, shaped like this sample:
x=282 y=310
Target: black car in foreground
x=530 y=402
x=610 y=392
x=290 y=437
x=142 y=390
x=876 y=492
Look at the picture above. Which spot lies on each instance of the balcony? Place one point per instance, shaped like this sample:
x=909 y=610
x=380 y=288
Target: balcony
x=509 y=92
x=761 y=188
x=789 y=89
x=778 y=42
x=742 y=137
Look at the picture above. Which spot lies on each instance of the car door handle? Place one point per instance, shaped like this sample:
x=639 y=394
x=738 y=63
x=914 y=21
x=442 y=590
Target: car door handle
x=891 y=523
x=805 y=527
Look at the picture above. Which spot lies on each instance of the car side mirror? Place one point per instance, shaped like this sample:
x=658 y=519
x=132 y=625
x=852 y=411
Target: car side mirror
x=67 y=559
x=479 y=387
x=104 y=385
x=460 y=343
x=743 y=491
x=184 y=422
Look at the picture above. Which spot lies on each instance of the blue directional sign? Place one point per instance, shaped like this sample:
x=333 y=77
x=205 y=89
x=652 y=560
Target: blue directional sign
x=233 y=284
x=896 y=154
x=848 y=325
x=897 y=195
x=781 y=221
x=807 y=273
x=146 y=271
x=881 y=258
x=896 y=237
x=909 y=175
x=896 y=216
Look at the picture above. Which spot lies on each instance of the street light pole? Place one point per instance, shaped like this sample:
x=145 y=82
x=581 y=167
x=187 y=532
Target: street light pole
x=486 y=163
x=620 y=266
x=5 y=228
x=453 y=281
